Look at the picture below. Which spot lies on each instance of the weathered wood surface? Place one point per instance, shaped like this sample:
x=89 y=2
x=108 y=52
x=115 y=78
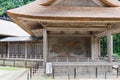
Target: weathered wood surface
x=45 y=45
x=109 y=46
x=20 y=48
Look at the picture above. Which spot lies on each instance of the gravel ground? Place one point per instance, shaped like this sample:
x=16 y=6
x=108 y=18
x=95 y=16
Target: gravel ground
x=11 y=73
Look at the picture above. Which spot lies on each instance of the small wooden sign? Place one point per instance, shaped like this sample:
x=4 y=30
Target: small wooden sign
x=49 y=68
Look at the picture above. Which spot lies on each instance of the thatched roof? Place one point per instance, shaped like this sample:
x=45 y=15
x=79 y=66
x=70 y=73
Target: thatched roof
x=8 y=28
x=41 y=12
x=66 y=13
x=35 y=10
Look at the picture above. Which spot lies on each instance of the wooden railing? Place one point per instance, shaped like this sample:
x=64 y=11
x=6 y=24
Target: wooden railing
x=15 y=62
x=75 y=59
x=21 y=56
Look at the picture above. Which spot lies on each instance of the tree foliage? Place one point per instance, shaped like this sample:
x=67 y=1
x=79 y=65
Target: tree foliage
x=103 y=46
x=10 y=4
x=116 y=45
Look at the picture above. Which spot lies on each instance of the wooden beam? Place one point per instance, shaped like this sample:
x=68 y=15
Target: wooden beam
x=101 y=34
x=54 y=25
x=67 y=21
x=35 y=27
x=115 y=28
x=116 y=31
x=104 y=33
x=38 y=32
x=75 y=29
x=69 y=35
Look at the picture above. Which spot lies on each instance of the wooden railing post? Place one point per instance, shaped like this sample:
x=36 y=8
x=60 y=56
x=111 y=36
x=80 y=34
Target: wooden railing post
x=77 y=59
x=12 y=56
x=67 y=59
x=0 y=56
x=14 y=63
x=56 y=59
x=53 y=73
x=96 y=72
x=88 y=59
x=40 y=57
x=117 y=72
x=74 y=72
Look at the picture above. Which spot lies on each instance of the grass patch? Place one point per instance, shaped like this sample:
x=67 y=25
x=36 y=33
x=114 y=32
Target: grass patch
x=9 y=68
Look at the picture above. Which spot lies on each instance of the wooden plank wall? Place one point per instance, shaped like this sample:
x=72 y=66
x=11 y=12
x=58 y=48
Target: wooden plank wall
x=3 y=48
x=19 y=48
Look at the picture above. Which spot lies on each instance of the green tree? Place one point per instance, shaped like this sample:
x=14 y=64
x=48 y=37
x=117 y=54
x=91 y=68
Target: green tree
x=10 y=4
x=116 y=45
x=103 y=46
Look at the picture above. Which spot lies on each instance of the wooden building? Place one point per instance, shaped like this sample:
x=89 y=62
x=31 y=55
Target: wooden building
x=71 y=29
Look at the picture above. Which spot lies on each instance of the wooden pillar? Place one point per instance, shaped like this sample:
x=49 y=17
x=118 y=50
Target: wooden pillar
x=99 y=53
x=25 y=50
x=8 y=50
x=94 y=48
x=45 y=45
x=109 y=46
